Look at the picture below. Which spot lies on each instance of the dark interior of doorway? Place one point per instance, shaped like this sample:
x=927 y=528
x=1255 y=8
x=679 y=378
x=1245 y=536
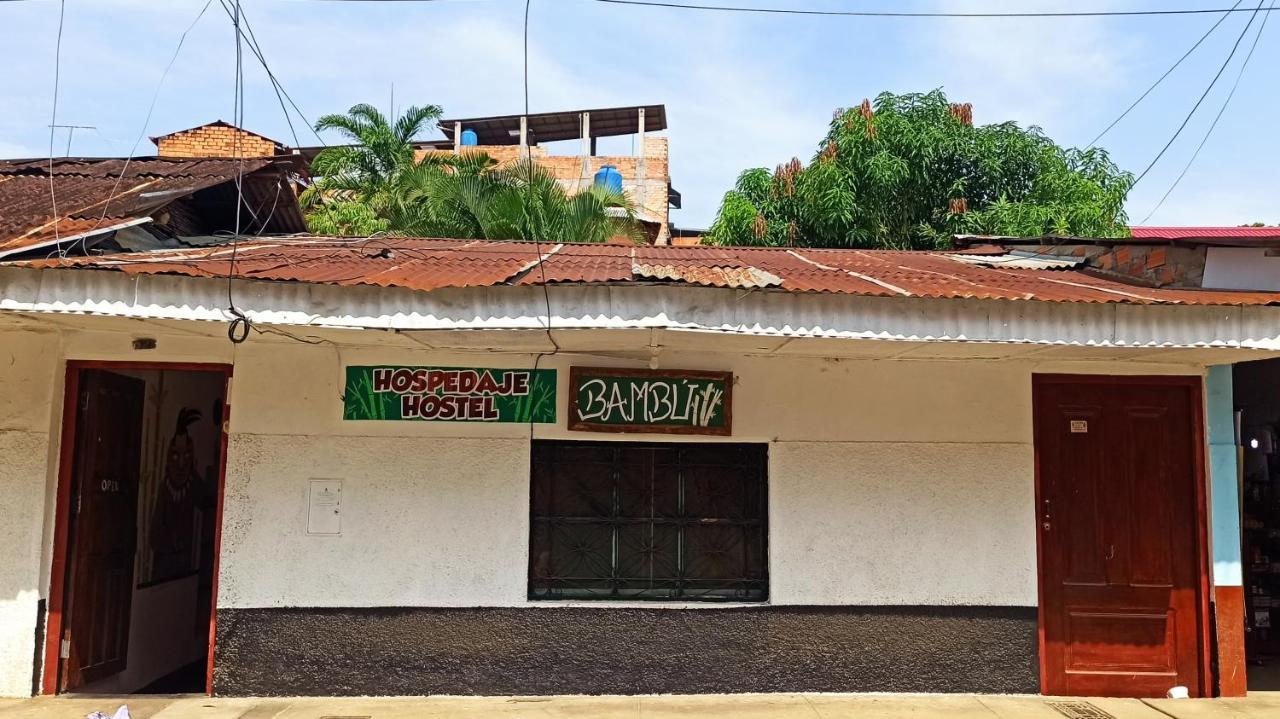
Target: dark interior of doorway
x=1257 y=402
x=146 y=462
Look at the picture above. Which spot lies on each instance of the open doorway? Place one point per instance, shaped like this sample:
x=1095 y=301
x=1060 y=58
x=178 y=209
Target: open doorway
x=139 y=508
x=1257 y=402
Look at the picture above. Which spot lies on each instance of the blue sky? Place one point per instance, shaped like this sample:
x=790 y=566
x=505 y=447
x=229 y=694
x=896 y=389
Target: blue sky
x=741 y=90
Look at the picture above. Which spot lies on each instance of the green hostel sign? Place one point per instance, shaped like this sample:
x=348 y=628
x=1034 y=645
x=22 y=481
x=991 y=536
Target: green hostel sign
x=449 y=394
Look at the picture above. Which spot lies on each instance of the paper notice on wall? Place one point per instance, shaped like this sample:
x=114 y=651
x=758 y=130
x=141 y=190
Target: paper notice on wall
x=324 y=507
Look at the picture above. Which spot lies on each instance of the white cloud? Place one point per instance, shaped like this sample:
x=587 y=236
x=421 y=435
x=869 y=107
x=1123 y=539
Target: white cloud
x=1046 y=72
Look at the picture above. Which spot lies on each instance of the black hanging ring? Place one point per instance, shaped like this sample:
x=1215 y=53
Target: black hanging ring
x=238 y=330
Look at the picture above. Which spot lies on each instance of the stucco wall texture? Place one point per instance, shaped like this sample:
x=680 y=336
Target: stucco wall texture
x=625 y=650
x=27 y=374
x=892 y=483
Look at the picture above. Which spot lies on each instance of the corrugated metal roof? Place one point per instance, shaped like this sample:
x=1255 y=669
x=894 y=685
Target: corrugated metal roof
x=92 y=194
x=430 y=264
x=1193 y=233
x=1016 y=259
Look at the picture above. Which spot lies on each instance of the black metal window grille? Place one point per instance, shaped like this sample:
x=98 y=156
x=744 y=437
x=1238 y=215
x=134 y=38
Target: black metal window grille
x=648 y=521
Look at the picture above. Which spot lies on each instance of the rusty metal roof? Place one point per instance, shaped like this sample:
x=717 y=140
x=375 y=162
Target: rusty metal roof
x=430 y=264
x=93 y=195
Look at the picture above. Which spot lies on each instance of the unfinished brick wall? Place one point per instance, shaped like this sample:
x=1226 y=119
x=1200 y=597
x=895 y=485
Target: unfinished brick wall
x=655 y=146
x=215 y=140
x=1158 y=265
x=576 y=173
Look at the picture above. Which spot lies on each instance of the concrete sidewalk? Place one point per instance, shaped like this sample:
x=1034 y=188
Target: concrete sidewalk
x=746 y=706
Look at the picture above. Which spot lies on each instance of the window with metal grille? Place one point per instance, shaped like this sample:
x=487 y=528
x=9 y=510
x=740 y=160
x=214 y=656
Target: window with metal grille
x=631 y=520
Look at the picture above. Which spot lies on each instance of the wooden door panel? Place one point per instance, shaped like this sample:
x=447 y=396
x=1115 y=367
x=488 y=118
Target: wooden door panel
x=1148 y=537
x=1091 y=644
x=106 y=463
x=1118 y=523
x=1076 y=458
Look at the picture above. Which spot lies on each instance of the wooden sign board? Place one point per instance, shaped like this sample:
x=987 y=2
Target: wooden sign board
x=608 y=399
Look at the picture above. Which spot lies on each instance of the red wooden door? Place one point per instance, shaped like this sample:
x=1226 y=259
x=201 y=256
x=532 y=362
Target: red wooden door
x=103 y=527
x=1118 y=525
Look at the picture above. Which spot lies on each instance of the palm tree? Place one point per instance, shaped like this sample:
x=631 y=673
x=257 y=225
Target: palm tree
x=378 y=184
x=356 y=183
x=474 y=197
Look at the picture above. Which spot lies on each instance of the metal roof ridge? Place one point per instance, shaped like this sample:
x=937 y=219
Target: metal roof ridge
x=520 y=273
x=859 y=275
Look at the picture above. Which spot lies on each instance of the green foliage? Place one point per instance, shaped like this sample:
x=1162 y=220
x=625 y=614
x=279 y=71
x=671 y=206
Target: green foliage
x=911 y=171
x=377 y=185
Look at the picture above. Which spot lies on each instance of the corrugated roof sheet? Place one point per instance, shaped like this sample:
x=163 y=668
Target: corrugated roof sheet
x=1016 y=259
x=1194 y=233
x=430 y=264
x=92 y=194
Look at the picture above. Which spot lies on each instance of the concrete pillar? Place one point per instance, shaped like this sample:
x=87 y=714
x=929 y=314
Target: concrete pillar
x=642 y=189
x=524 y=137
x=588 y=149
x=457 y=137
x=1224 y=538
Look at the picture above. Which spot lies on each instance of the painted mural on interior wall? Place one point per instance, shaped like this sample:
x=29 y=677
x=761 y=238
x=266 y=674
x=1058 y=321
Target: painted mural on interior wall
x=606 y=399
x=449 y=394
x=179 y=474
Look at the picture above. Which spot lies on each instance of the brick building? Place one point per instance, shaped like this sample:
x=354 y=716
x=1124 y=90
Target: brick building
x=217 y=139
x=646 y=176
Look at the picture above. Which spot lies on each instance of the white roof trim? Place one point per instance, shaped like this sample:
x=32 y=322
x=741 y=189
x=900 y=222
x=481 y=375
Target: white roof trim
x=756 y=312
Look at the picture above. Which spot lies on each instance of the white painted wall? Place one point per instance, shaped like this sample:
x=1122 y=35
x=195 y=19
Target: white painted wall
x=1241 y=268
x=891 y=481
x=28 y=365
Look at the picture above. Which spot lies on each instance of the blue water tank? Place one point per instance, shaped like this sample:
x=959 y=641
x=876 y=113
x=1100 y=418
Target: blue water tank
x=469 y=137
x=608 y=178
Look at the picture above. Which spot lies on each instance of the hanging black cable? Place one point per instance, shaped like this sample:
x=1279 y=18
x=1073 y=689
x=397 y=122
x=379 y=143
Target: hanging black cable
x=1214 y=124
x=905 y=14
x=1161 y=79
x=238 y=330
x=1203 y=95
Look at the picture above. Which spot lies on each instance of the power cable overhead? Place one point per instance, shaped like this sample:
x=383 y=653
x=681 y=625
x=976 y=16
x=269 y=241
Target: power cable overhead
x=282 y=94
x=238 y=330
x=902 y=14
x=537 y=242
x=1216 y=118
x=1161 y=79
x=53 y=120
x=146 y=122
x=1203 y=95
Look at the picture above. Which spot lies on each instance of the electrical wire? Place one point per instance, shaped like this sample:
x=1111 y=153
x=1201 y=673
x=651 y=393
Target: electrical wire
x=1214 y=124
x=904 y=14
x=146 y=122
x=1161 y=79
x=537 y=241
x=252 y=41
x=238 y=330
x=53 y=121
x=1203 y=95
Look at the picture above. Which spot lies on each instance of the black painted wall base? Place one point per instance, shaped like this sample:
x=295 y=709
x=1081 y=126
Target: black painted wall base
x=609 y=650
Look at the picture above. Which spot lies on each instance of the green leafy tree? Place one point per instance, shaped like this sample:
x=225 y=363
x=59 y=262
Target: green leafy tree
x=912 y=170
x=380 y=184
